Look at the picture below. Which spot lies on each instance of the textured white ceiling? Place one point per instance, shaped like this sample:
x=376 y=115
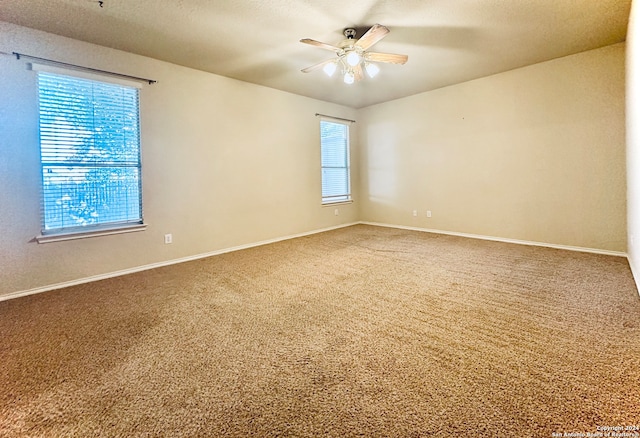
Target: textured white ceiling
x=448 y=41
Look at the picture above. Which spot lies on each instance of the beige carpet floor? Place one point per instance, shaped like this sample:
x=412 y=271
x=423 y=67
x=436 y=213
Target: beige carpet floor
x=361 y=331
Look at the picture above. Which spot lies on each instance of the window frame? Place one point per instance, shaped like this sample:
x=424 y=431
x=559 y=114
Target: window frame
x=347 y=197
x=96 y=229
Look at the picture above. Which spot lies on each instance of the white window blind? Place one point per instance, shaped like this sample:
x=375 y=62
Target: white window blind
x=90 y=153
x=334 y=145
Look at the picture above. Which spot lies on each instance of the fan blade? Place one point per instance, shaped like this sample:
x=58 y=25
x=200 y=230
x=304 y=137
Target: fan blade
x=357 y=72
x=317 y=66
x=386 y=57
x=372 y=36
x=321 y=45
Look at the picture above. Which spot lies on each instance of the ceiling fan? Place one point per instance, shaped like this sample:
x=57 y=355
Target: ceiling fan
x=353 y=56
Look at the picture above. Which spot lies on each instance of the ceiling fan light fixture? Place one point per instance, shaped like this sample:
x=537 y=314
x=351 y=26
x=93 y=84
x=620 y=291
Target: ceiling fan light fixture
x=372 y=69
x=353 y=57
x=330 y=68
x=349 y=78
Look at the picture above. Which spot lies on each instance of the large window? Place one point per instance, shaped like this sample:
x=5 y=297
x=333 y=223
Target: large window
x=90 y=154
x=334 y=144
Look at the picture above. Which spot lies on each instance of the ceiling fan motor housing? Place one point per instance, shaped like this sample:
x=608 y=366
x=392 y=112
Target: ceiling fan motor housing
x=350 y=33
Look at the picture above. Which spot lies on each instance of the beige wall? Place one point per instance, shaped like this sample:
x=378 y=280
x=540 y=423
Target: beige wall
x=225 y=163
x=534 y=154
x=633 y=140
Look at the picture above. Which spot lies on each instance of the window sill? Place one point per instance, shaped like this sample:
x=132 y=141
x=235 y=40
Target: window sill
x=332 y=203
x=49 y=238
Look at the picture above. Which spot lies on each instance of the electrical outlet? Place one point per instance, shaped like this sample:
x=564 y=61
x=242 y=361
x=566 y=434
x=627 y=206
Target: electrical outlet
x=415 y=213
x=336 y=212
x=168 y=238
x=428 y=213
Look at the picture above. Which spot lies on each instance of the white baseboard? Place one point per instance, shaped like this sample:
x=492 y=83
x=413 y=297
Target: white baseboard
x=293 y=236
x=47 y=288
x=634 y=272
x=500 y=239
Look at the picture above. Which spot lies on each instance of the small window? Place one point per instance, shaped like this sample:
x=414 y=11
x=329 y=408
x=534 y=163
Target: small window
x=334 y=144
x=90 y=154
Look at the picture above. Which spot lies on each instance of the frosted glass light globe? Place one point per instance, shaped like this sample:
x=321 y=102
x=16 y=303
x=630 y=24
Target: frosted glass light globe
x=330 y=68
x=349 y=78
x=353 y=59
